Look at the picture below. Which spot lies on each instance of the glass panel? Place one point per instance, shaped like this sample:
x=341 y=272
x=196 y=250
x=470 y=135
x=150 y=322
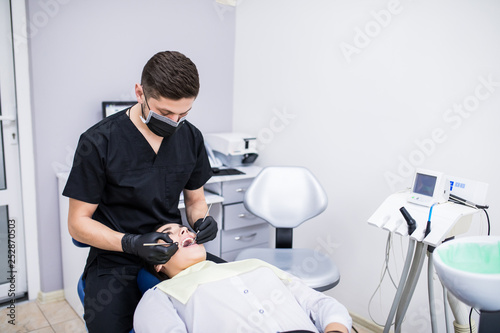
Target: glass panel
x=4 y=245
x=2 y=163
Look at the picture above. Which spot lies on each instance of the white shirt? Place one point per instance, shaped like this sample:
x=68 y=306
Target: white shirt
x=256 y=301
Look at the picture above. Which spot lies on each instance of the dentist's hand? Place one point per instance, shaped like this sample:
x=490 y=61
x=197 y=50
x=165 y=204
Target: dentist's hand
x=134 y=244
x=205 y=230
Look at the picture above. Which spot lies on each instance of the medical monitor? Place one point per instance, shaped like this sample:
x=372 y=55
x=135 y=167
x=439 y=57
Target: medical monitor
x=112 y=107
x=429 y=187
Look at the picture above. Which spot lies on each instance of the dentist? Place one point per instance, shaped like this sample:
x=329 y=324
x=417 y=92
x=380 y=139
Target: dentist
x=127 y=175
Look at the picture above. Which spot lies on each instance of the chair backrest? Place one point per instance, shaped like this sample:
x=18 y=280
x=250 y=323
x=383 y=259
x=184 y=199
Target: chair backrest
x=146 y=280
x=285 y=196
x=79 y=244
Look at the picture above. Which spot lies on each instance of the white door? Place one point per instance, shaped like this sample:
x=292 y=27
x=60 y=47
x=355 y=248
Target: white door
x=13 y=282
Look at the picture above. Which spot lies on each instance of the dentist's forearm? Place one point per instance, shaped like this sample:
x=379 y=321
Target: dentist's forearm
x=84 y=229
x=196 y=206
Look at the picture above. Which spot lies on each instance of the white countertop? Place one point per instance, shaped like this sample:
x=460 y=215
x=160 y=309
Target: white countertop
x=250 y=172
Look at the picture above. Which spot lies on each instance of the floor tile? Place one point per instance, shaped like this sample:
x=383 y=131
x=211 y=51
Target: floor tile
x=57 y=312
x=70 y=326
x=43 y=330
x=4 y=322
x=28 y=318
x=361 y=329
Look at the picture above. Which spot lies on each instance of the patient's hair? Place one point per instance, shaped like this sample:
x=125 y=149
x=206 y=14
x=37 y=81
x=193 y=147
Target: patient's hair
x=171 y=75
x=162 y=276
x=151 y=269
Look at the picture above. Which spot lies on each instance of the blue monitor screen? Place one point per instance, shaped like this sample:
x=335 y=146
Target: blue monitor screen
x=424 y=184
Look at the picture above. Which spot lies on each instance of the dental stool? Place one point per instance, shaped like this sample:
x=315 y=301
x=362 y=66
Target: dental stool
x=286 y=197
x=145 y=281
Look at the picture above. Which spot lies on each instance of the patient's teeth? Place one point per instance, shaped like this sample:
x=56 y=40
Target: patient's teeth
x=187 y=242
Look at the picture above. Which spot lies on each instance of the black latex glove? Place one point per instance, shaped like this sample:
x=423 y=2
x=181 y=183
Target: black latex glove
x=160 y=254
x=205 y=230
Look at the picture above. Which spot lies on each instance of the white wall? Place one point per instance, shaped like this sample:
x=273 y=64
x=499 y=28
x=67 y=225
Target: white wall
x=85 y=52
x=356 y=114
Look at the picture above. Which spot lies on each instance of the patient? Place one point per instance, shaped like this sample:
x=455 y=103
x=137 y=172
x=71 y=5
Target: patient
x=243 y=296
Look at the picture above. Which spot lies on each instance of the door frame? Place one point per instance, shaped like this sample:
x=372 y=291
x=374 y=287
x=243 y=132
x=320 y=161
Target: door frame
x=26 y=149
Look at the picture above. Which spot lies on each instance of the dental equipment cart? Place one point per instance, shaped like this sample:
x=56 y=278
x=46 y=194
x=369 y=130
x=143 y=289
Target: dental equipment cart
x=448 y=219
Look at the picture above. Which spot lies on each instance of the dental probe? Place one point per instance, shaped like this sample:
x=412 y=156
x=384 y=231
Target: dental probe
x=163 y=244
x=206 y=214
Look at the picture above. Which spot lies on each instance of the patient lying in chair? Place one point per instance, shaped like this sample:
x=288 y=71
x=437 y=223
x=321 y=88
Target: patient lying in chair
x=243 y=296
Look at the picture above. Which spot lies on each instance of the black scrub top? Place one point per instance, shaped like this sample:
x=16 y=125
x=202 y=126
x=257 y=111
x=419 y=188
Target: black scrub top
x=135 y=188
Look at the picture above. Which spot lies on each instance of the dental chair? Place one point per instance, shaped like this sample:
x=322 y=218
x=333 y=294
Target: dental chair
x=286 y=197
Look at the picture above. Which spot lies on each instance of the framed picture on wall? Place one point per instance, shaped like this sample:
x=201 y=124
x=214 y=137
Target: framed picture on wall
x=112 y=107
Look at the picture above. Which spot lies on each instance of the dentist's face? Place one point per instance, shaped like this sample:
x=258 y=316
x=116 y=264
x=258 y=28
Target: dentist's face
x=188 y=254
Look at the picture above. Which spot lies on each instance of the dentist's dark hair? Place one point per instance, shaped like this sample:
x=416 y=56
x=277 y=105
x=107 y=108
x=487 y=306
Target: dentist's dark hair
x=172 y=75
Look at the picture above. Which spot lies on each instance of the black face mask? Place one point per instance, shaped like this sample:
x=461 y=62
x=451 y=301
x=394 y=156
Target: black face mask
x=162 y=126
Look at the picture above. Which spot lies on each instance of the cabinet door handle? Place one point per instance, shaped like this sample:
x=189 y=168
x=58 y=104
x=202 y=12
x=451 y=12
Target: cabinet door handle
x=247 y=216
x=8 y=118
x=239 y=190
x=246 y=238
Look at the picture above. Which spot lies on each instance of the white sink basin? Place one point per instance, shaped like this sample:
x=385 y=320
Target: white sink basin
x=469 y=268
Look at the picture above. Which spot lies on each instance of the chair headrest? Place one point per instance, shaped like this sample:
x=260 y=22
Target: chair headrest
x=285 y=196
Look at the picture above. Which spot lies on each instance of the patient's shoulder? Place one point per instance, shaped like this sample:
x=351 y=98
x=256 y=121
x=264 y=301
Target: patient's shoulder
x=153 y=296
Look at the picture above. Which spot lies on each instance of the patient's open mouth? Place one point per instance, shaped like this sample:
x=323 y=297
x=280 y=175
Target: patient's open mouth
x=187 y=242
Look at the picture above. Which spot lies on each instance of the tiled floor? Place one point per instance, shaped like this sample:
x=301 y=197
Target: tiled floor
x=55 y=317
x=361 y=329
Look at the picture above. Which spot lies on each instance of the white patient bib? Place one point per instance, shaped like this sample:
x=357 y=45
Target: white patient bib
x=184 y=284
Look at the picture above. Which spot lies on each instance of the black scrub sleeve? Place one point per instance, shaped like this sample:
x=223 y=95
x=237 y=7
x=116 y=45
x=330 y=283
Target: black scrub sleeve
x=87 y=178
x=202 y=171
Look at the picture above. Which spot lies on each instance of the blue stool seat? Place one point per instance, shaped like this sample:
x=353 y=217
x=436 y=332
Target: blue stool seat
x=81 y=288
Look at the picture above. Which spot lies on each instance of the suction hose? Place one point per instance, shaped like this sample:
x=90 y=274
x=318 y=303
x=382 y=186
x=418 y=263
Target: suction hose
x=446 y=310
x=415 y=270
x=461 y=313
x=399 y=292
x=464 y=328
x=430 y=291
